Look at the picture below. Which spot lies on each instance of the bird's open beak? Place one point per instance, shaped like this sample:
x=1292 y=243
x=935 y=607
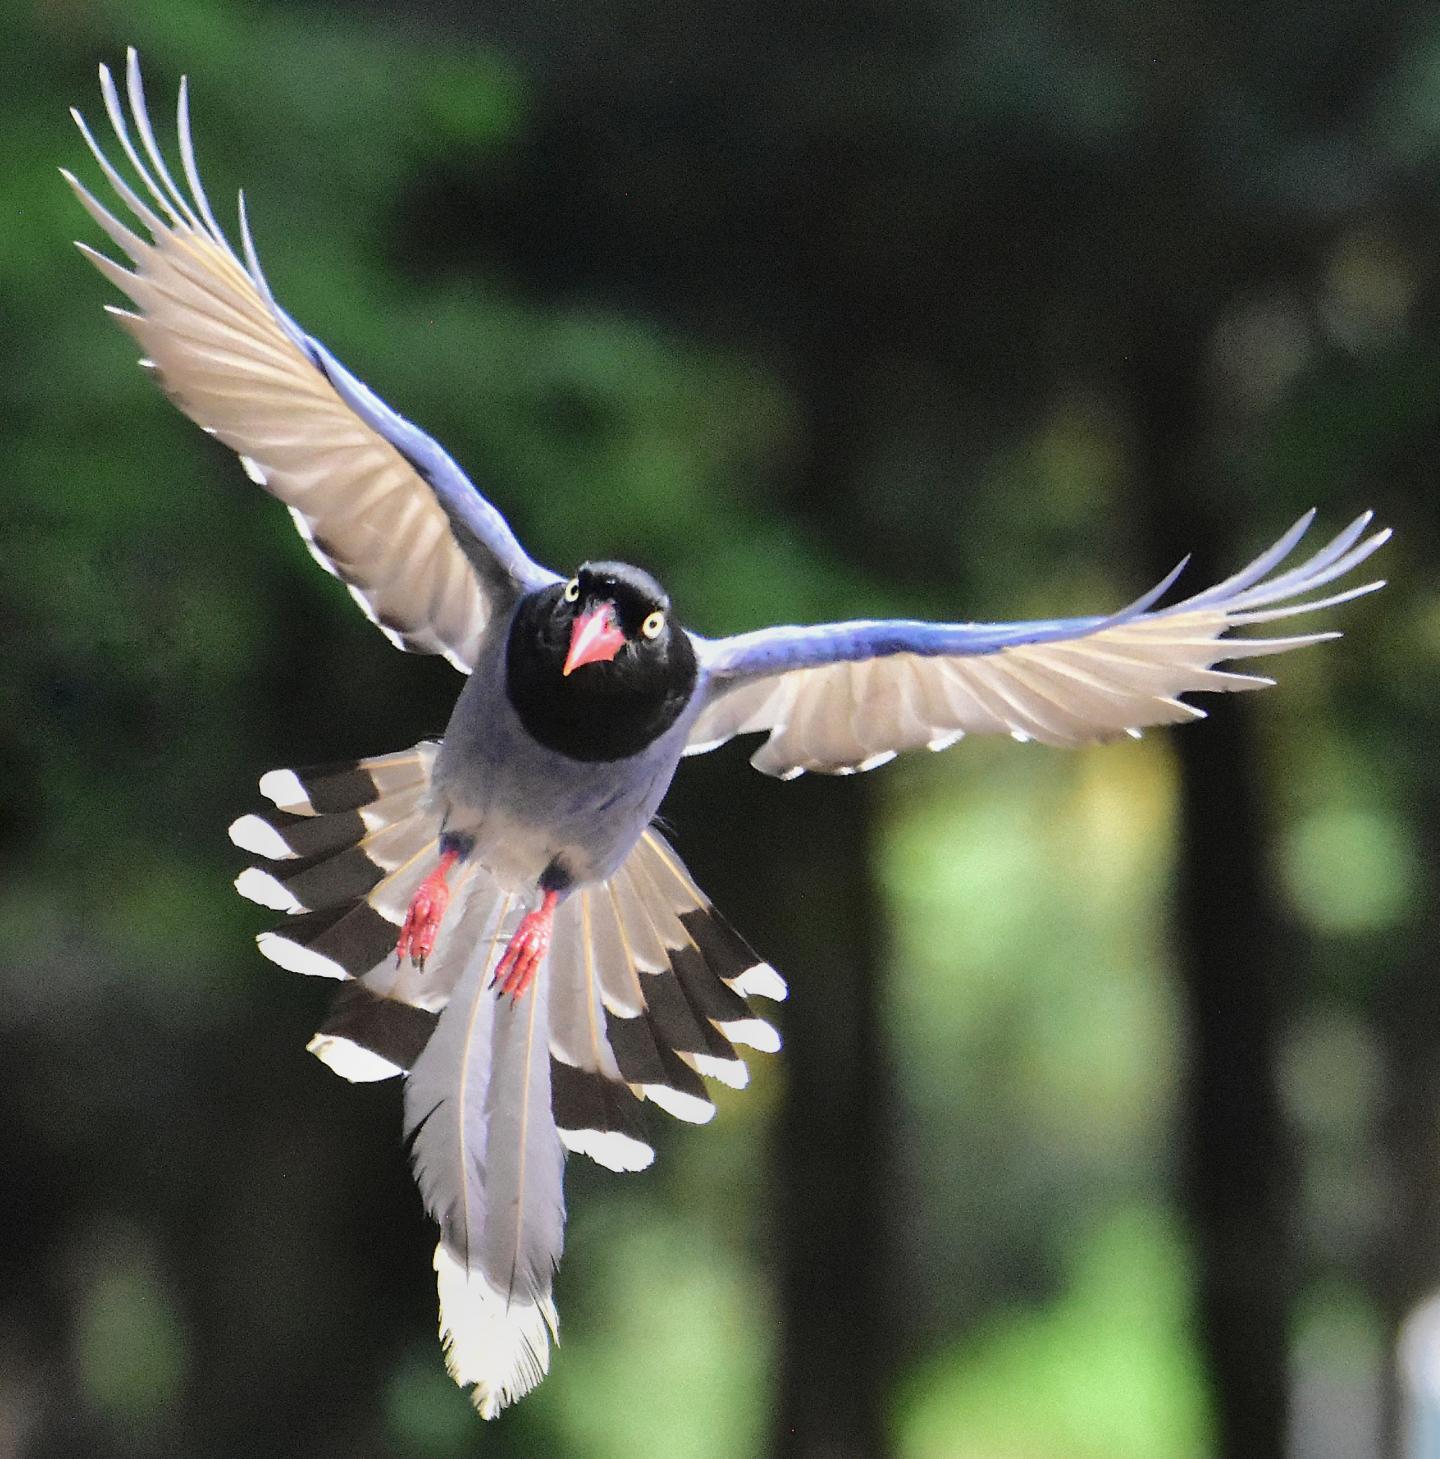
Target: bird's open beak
x=595 y=639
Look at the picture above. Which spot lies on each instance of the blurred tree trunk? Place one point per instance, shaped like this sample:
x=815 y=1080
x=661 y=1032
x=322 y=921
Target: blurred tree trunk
x=1238 y=1179
x=1407 y=1018
x=1230 y=950
x=833 y=1140
x=793 y=867
x=832 y=1147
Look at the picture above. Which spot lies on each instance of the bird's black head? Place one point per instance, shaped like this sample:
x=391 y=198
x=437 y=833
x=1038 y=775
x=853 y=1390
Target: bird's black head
x=597 y=668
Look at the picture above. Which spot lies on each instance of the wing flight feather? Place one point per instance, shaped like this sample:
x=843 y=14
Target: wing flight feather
x=379 y=503
x=843 y=697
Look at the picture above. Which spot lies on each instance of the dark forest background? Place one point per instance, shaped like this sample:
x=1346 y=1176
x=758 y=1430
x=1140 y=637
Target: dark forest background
x=1108 y=1125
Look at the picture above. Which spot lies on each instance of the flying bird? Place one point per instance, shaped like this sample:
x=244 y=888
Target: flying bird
x=510 y=930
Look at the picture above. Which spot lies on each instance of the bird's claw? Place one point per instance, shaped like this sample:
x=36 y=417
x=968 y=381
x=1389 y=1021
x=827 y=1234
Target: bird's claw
x=522 y=957
x=422 y=920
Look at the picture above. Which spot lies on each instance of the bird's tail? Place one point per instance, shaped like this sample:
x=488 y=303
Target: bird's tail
x=345 y=849
x=642 y=997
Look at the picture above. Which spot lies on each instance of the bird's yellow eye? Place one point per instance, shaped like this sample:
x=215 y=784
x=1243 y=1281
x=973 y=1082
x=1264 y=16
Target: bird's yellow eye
x=572 y=590
x=653 y=626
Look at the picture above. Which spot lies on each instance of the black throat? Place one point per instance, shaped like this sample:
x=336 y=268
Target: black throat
x=604 y=711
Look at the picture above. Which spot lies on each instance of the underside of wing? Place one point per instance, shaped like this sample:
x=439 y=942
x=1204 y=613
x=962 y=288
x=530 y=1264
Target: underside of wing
x=379 y=503
x=846 y=697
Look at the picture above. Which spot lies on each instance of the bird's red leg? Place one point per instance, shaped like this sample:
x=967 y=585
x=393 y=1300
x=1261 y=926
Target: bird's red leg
x=427 y=907
x=526 y=950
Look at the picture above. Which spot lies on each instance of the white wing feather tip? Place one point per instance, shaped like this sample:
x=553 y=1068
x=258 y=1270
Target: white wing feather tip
x=754 y=1033
x=761 y=981
x=610 y=1148
x=687 y=1107
x=733 y=1073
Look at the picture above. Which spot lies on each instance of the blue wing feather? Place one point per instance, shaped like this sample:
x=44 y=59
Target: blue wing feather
x=778 y=650
x=482 y=532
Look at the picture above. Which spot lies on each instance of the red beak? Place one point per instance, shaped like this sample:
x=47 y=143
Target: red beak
x=595 y=639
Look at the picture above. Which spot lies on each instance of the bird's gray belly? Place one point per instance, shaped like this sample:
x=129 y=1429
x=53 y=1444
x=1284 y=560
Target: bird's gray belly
x=527 y=807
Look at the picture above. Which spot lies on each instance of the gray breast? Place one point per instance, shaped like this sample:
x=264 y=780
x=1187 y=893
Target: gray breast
x=527 y=805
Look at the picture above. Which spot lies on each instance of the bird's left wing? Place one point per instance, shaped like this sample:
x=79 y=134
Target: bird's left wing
x=380 y=504
x=842 y=697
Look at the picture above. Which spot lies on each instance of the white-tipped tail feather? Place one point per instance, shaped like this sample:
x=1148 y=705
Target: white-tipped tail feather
x=496 y=1346
x=641 y=1000
x=610 y=1148
x=488 y=1160
x=350 y=1060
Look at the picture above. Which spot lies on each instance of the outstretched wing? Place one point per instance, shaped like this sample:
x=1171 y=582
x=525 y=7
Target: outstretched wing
x=381 y=505
x=841 y=697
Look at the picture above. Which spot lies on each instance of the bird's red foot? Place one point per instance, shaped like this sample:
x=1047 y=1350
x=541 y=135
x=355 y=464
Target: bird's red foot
x=422 y=921
x=526 y=950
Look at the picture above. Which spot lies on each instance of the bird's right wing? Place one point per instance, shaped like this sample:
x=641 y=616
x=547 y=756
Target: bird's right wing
x=380 y=504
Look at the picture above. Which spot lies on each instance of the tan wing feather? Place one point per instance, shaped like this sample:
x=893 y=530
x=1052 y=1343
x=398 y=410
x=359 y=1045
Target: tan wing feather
x=208 y=325
x=1112 y=679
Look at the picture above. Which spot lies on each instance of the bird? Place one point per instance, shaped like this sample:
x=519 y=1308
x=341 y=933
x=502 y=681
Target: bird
x=512 y=933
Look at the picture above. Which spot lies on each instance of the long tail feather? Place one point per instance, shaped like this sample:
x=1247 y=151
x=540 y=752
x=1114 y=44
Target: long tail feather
x=489 y=1163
